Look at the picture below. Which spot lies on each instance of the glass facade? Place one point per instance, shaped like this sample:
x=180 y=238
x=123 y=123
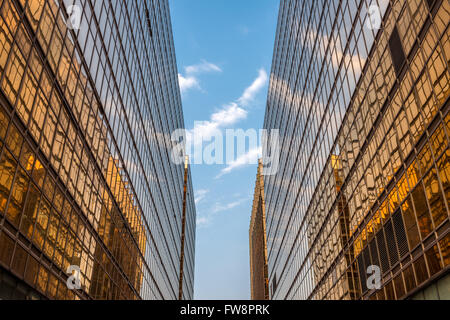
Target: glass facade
x=86 y=178
x=259 y=282
x=365 y=161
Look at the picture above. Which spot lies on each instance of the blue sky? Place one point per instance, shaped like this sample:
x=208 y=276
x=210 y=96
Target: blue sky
x=224 y=52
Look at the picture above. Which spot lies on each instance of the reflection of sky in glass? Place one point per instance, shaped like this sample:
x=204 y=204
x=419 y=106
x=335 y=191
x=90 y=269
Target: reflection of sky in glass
x=309 y=114
x=142 y=107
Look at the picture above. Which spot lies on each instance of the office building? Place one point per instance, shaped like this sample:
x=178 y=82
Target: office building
x=89 y=96
x=360 y=93
x=259 y=282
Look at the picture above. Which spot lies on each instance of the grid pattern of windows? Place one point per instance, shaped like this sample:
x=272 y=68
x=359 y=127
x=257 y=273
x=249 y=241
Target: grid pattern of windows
x=366 y=111
x=85 y=171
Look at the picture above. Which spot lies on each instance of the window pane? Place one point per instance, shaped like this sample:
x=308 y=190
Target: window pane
x=435 y=198
x=7 y=170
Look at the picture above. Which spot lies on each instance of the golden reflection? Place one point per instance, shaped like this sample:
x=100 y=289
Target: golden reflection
x=39 y=221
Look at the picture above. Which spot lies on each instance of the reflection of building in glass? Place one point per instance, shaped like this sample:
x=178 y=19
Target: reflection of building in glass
x=85 y=174
x=258 y=249
x=364 y=165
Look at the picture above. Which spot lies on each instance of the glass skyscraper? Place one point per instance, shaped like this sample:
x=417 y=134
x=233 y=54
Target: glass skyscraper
x=364 y=175
x=86 y=179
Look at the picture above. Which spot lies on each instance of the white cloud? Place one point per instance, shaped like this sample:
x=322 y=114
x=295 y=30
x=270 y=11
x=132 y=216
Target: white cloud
x=251 y=92
x=230 y=114
x=190 y=79
x=250 y=157
x=200 y=195
x=187 y=83
x=227 y=116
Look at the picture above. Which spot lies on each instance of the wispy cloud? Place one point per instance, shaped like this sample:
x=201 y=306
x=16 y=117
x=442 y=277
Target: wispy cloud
x=219 y=207
x=203 y=221
x=200 y=195
x=250 y=157
x=251 y=92
x=203 y=67
x=230 y=113
x=227 y=116
x=190 y=79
